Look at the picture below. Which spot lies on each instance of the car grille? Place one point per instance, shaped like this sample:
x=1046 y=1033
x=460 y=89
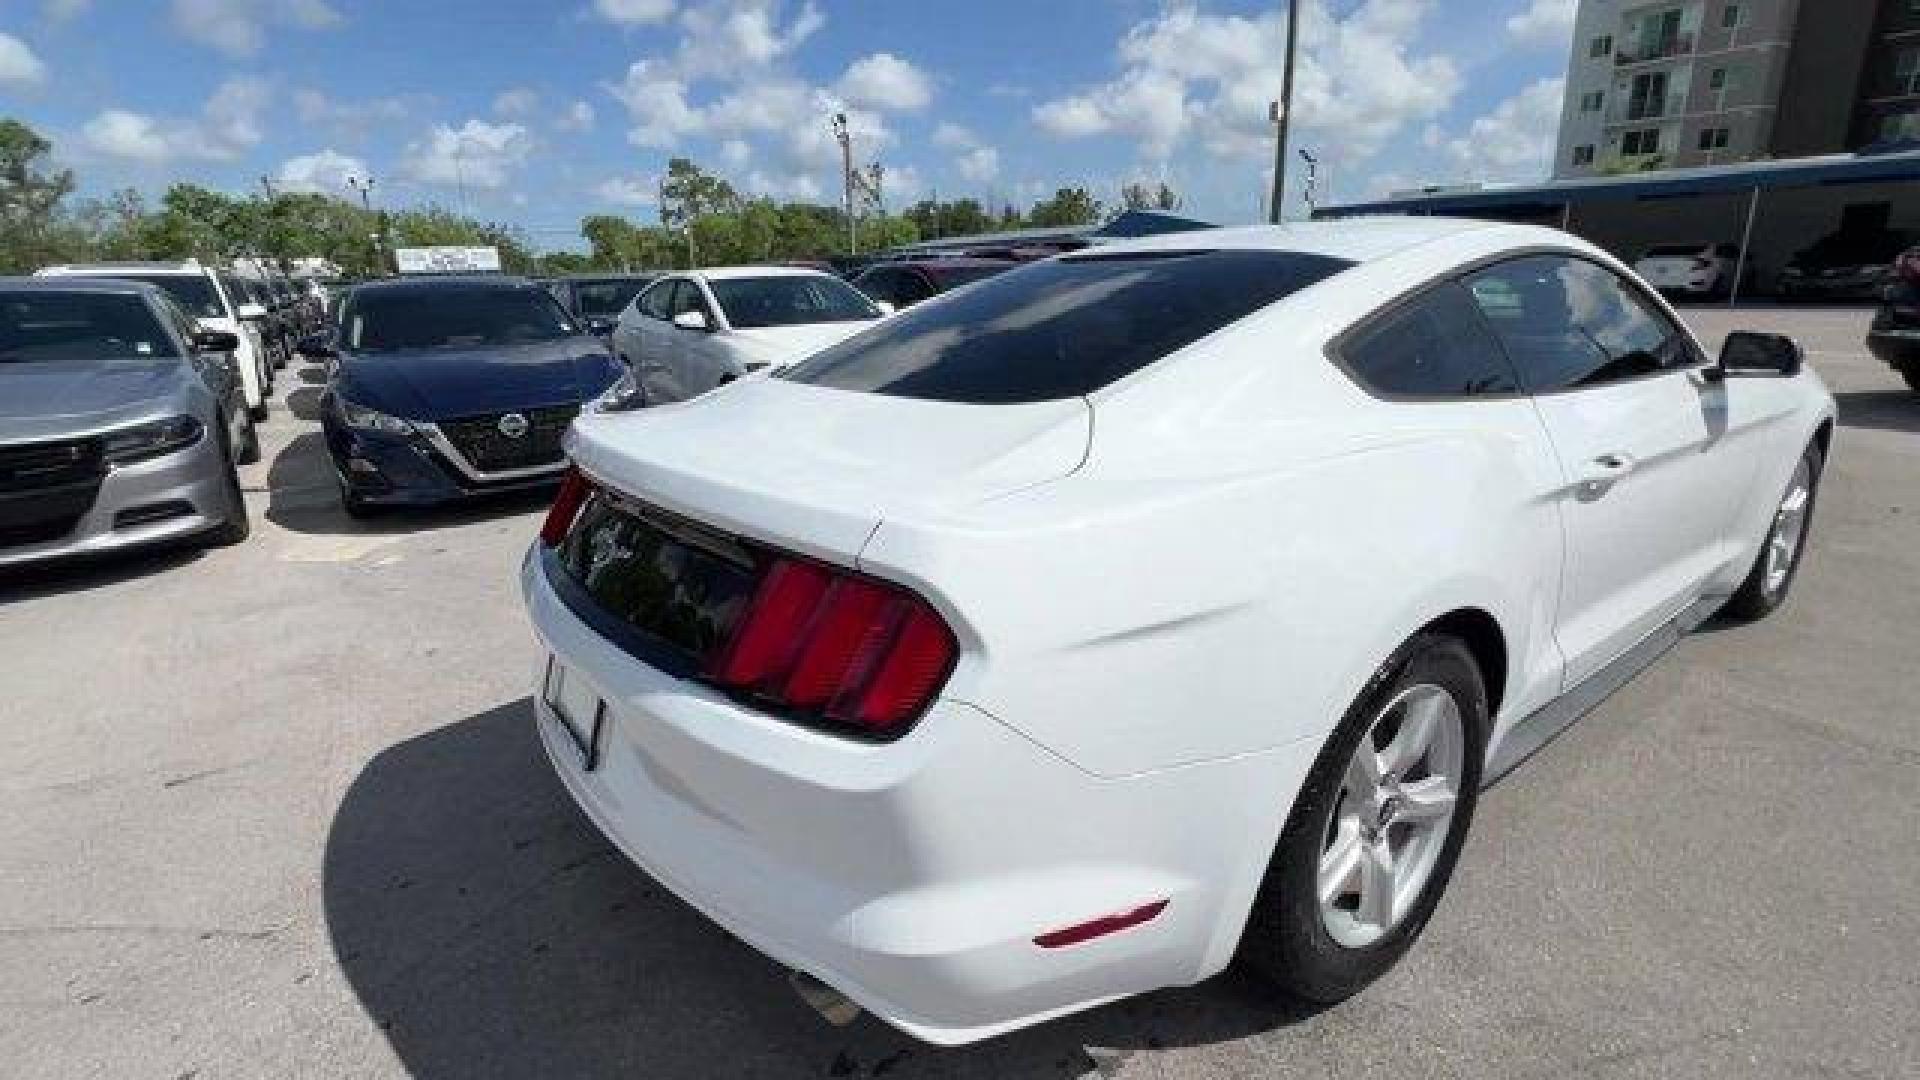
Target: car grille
x=489 y=450
x=46 y=488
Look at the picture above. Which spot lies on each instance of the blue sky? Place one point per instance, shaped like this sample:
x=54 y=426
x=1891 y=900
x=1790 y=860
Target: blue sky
x=538 y=111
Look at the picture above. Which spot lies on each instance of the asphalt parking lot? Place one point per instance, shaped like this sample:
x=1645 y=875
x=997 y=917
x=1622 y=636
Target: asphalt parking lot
x=278 y=810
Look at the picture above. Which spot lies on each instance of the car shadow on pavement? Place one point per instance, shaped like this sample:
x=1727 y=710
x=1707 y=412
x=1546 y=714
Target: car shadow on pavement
x=490 y=930
x=82 y=572
x=304 y=403
x=1886 y=410
x=303 y=496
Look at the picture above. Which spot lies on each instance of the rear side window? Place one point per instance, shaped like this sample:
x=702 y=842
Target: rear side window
x=1436 y=346
x=1568 y=323
x=1061 y=328
x=655 y=301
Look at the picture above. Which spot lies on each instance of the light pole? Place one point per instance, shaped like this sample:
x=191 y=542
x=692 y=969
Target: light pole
x=364 y=185
x=846 y=178
x=1283 y=114
x=1313 y=169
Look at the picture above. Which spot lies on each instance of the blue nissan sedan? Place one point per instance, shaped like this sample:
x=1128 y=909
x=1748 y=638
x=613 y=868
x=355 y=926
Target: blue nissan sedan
x=446 y=388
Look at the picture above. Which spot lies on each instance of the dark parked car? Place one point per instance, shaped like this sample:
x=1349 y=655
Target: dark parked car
x=906 y=283
x=1845 y=265
x=598 y=299
x=1895 y=335
x=445 y=388
x=120 y=421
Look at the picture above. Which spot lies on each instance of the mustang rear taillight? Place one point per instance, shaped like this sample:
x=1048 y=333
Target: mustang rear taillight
x=820 y=641
x=566 y=507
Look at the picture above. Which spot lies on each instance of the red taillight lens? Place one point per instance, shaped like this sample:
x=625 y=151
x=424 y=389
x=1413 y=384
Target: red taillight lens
x=566 y=507
x=824 y=642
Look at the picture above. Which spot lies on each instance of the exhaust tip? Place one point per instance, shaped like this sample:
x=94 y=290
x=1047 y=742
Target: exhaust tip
x=833 y=1006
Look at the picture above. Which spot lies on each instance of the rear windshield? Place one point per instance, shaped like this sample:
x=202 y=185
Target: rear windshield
x=605 y=299
x=193 y=292
x=451 y=317
x=1062 y=328
x=1676 y=251
x=45 y=327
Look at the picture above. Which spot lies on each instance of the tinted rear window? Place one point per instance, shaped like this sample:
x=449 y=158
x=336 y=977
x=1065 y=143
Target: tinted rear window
x=1063 y=328
x=193 y=292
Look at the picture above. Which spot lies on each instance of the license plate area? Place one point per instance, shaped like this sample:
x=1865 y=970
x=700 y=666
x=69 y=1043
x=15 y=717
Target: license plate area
x=579 y=711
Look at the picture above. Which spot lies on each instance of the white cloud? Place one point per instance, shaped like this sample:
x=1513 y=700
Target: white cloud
x=725 y=37
x=125 y=134
x=19 y=67
x=578 y=116
x=1515 y=140
x=800 y=187
x=1208 y=78
x=239 y=27
x=657 y=102
x=885 y=82
x=228 y=125
x=325 y=172
x=975 y=160
x=634 y=12
x=628 y=190
x=736 y=152
x=517 y=101
x=1544 y=23
x=476 y=155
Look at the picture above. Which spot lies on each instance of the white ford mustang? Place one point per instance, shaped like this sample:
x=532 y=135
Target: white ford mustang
x=1067 y=636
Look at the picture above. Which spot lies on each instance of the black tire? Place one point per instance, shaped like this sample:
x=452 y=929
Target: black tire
x=238 y=526
x=1286 y=942
x=356 y=507
x=1912 y=377
x=1754 y=600
x=257 y=413
x=249 y=451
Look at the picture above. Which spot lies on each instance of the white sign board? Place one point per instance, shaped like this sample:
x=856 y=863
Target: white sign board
x=448 y=260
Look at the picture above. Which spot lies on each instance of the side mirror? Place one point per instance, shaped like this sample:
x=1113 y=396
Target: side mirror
x=886 y=308
x=316 y=347
x=601 y=326
x=215 y=341
x=251 y=312
x=691 y=320
x=1750 y=354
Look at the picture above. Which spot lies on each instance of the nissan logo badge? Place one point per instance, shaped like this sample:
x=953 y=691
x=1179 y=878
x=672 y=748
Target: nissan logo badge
x=513 y=425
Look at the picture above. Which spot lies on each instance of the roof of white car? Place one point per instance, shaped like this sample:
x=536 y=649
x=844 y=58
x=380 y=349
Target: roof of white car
x=727 y=273
x=1359 y=239
x=108 y=269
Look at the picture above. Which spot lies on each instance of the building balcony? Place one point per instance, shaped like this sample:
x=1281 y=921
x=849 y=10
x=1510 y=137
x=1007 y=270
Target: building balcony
x=1678 y=45
x=1640 y=111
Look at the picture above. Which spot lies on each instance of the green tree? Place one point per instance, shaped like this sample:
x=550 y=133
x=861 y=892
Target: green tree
x=689 y=193
x=1068 y=207
x=1138 y=196
x=30 y=193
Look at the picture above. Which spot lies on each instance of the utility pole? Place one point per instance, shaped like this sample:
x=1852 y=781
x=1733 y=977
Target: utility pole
x=846 y=178
x=266 y=185
x=1283 y=115
x=363 y=185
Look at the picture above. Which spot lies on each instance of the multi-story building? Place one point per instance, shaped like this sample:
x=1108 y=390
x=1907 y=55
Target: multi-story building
x=1657 y=84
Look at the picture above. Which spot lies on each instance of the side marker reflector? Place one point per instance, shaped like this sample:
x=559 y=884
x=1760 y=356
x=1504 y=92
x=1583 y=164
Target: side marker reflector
x=1100 y=927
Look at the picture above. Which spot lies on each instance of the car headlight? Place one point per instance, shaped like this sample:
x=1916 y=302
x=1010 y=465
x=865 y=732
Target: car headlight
x=625 y=395
x=145 y=441
x=365 y=419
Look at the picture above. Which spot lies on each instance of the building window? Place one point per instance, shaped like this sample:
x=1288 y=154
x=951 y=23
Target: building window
x=1592 y=102
x=1714 y=138
x=1602 y=45
x=1900 y=127
x=1730 y=17
x=1717 y=80
x=1583 y=155
x=1640 y=142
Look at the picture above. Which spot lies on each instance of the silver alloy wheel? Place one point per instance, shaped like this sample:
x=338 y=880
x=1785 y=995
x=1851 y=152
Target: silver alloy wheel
x=1789 y=526
x=1393 y=815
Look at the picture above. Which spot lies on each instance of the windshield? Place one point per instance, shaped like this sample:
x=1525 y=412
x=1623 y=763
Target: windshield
x=193 y=292
x=1676 y=251
x=1062 y=328
x=452 y=317
x=41 y=326
x=598 y=299
x=792 y=300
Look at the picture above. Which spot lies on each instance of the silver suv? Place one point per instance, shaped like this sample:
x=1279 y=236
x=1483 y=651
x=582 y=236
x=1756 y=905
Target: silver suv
x=121 y=421
x=214 y=300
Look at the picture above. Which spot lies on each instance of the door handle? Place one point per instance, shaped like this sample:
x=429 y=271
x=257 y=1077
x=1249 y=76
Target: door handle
x=1601 y=474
